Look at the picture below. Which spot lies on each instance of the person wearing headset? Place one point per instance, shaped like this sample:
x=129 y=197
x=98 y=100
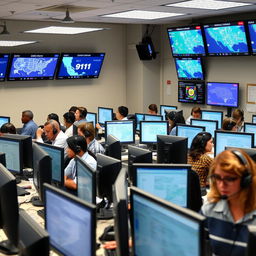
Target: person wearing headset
x=53 y=133
x=77 y=146
x=87 y=130
x=174 y=118
x=229 y=124
x=231 y=202
x=199 y=157
x=196 y=113
x=80 y=115
x=238 y=116
x=69 y=119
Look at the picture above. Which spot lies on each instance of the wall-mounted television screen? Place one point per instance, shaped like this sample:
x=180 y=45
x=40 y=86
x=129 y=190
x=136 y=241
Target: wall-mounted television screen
x=222 y=94
x=186 y=41
x=191 y=92
x=25 y=67
x=80 y=65
x=189 y=68
x=4 y=59
x=226 y=39
x=252 y=34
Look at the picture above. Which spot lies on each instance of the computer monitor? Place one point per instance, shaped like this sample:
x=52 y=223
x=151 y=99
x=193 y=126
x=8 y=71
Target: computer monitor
x=172 y=149
x=210 y=125
x=251 y=128
x=86 y=181
x=42 y=169
x=213 y=115
x=2 y=159
x=104 y=114
x=139 y=117
x=9 y=211
x=91 y=117
x=70 y=222
x=33 y=239
x=166 y=107
x=250 y=151
x=121 y=215
x=113 y=147
x=150 y=129
x=251 y=241
x=4 y=61
x=123 y=130
x=188 y=131
x=148 y=117
x=4 y=120
x=163 y=228
x=137 y=155
x=57 y=156
x=232 y=139
x=13 y=154
x=254 y=119
x=175 y=183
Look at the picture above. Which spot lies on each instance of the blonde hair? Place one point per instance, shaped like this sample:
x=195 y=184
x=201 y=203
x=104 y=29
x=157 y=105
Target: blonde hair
x=88 y=130
x=228 y=162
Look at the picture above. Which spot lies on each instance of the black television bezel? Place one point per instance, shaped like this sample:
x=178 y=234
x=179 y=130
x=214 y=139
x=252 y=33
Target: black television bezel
x=7 y=117
x=103 y=123
x=190 y=58
x=55 y=182
x=217 y=105
x=194 y=84
x=215 y=111
x=96 y=118
x=167 y=205
x=7 y=66
x=120 y=121
x=77 y=201
x=205 y=120
x=192 y=27
x=30 y=55
x=152 y=122
x=58 y=77
x=239 y=133
x=225 y=24
x=93 y=176
x=253 y=116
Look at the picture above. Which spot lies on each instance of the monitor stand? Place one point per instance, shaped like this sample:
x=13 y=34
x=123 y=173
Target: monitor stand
x=8 y=248
x=104 y=211
x=36 y=201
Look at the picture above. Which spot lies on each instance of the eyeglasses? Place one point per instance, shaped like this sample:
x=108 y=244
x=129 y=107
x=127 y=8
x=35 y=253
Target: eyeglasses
x=227 y=179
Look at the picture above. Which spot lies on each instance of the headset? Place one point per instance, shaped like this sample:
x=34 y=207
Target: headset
x=246 y=178
x=73 y=143
x=203 y=139
x=231 y=124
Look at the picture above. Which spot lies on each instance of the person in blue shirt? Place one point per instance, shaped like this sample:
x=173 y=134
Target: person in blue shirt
x=29 y=127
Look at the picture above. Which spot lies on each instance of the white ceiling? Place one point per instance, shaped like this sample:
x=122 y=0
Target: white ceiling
x=91 y=10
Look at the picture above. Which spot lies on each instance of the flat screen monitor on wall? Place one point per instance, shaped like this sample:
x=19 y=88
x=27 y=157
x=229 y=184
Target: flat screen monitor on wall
x=222 y=94
x=226 y=39
x=186 y=41
x=252 y=34
x=189 y=68
x=191 y=92
x=4 y=60
x=80 y=65
x=26 y=67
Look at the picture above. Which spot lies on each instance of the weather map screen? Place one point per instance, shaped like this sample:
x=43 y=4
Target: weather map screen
x=222 y=94
x=33 y=67
x=187 y=41
x=252 y=33
x=189 y=68
x=4 y=58
x=226 y=39
x=78 y=65
x=191 y=92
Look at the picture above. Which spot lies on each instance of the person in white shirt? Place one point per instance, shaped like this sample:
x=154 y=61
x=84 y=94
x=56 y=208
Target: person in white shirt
x=196 y=113
x=53 y=133
x=121 y=113
x=69 y=119
x=77 y=146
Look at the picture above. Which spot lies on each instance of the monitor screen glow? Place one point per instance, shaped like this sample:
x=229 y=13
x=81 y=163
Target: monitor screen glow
x=166 y=107
x=25 y=67
x=148 y=117
x=4 y=60
x=139 y=117
x=213 y=115
x=210 y=125
x=4 y=120
x=254 y=119
x=252 y=34
x=91 y=117
x=104 y=114
x=251 y=128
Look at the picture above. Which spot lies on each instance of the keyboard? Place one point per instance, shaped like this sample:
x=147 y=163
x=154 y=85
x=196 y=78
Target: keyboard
x=110 y=252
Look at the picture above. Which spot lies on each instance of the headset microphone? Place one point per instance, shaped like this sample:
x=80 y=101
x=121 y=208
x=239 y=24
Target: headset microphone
x=226 y=197
x=223 y=197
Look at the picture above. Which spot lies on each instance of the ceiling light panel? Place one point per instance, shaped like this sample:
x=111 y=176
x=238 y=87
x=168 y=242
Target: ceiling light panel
x=4 y=43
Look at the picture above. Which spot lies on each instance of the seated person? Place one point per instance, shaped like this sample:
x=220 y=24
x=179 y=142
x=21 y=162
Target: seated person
x=72 y=109
x=76 y=146
x=174 y=118
x=198 y=156
x=54 y=116
x=69 y=119
x=231 y=202
x=229 y=124
x=8 y=128
x=238 y=116
x=29 y=127
x=121 y=113
x=196 y=113
x=152 y=109
x=87 y=130
x=80 y=116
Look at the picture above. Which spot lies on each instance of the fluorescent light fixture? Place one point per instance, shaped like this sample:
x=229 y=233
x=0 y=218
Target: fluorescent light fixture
x=144 y=15
x=62 y=30
x=4 y=43
x=208 y=4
